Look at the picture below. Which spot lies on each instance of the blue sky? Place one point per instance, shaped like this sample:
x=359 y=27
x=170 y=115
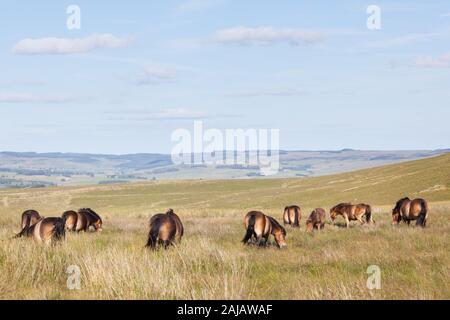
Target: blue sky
x=138 y=70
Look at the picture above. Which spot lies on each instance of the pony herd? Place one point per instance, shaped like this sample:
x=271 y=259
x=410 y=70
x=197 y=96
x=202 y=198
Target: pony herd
x=53 y=229
x=259 y=226
x=165 y=229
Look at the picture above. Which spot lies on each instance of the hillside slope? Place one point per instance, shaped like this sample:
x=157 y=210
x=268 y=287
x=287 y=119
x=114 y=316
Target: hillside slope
x=427 y=178
x=212 y=263
x=29 y=169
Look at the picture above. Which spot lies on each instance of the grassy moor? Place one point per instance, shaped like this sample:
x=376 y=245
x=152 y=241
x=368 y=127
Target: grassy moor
x=212 y=263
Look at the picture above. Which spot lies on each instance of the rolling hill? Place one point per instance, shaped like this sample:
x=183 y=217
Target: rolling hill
x=211 y=263
x=30 y=169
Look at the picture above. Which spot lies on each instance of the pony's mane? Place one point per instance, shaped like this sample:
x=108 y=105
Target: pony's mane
x=170 y=211
x=276 y=223
x=89 y=210
x=400 y=202
x=340 y=205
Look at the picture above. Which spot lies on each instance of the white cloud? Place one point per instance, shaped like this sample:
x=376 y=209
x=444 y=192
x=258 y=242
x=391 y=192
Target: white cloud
x=31 y=98
x=266 y=35
x=434 y=62
x=69 y=45
x=155 y=74
x=446 y=15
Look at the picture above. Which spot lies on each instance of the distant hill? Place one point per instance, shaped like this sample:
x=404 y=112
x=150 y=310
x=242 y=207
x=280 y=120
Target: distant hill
x=425 y=178
x=30 y=169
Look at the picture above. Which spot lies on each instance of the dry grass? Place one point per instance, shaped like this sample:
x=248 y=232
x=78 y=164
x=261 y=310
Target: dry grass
x=211 y=263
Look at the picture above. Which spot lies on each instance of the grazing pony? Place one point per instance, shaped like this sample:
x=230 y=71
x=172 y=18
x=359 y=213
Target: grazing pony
x=164 y=229
x=82 y=220
x=352 y=212
x=260 y=226
x=47 y=230
x=406 y=210
x=29 y=217
x=316 y=220
x=292 y=216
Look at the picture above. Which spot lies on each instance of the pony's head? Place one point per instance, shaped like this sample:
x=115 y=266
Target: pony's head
x=279 y=234
x=333 y=213
x=98 y=225
x=396 y=216
x=309 y=226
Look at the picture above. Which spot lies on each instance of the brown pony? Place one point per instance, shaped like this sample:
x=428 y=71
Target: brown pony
x=82 y=220
x=164 y=229
x=406 y=209
x=260 y=227
x=316 y=220
x=29 y=217
x=352 y=212
x=47 y=230
x=292 y=216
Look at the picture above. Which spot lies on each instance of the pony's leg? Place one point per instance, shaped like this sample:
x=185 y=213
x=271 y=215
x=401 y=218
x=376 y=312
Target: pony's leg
x=48 y=240
x=259 y=240
x=347 y=221
x=318 y=227
x=360 y=219
x=152 y=241
x=254 y=238
x=421 y=221
x=265 y=240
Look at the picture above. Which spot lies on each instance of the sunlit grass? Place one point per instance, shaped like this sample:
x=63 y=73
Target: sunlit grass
x=211 y=263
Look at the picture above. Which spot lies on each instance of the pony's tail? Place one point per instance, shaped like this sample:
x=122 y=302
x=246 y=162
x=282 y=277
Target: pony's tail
x=25 y=228
x=297 y=217
x=21 y=233
x=60 y=229
x=152 y=236
x=250 y=229
x=422 y=220
x=369 y=215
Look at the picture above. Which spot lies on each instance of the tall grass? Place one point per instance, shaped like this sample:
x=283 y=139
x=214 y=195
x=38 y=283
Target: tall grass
x=211 y=263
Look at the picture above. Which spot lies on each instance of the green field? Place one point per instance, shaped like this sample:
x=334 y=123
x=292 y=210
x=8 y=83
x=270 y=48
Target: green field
x=211 y=263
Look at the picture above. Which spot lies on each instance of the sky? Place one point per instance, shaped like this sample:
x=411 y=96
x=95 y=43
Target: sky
x=135 y=71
